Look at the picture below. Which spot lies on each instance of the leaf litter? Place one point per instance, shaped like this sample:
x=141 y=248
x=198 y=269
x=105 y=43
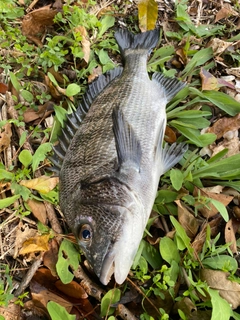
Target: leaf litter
x=191 y=258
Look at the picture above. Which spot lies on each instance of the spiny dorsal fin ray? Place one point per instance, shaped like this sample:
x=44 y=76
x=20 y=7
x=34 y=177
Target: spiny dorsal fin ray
x=127 y=145
x=74 y=120
x=171 y=85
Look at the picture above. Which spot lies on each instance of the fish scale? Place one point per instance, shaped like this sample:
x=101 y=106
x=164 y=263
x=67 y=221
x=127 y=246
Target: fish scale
x=110 y=157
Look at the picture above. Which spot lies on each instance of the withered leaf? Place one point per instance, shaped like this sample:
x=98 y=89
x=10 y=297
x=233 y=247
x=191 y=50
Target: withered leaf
x=23 y=233
x=210 y=210
x=218 y=46
x=38 y=209
x=187 y=220
x=231 y=228
x=5 y=136
x=85 y=42
x=224 y=125
x=228 y=290
x=50 y=257
x=36 y=244
x=170 y=135
x=43 y=184
x=72 y=289
x=147 y=14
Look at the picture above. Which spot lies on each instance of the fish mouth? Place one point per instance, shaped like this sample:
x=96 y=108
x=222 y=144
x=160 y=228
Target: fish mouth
x=108 y=268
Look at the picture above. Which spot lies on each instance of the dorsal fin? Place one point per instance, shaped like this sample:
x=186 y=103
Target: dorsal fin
x=74 y=119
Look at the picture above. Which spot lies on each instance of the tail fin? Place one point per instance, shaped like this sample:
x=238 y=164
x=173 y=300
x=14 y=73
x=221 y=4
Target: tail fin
x=146 y=40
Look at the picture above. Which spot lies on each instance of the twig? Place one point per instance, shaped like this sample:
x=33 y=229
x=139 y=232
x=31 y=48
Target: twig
x=124 y=313
x=29 y=275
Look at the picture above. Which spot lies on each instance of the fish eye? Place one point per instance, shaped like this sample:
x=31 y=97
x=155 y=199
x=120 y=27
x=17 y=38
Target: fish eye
x=85 y=233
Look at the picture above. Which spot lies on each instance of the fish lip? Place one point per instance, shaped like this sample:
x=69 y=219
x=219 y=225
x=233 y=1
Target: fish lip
x=108 y=268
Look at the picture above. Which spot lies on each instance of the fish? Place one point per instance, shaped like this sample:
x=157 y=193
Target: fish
x=110 y=157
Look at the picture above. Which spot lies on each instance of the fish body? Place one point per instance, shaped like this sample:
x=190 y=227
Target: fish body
x=110 y=158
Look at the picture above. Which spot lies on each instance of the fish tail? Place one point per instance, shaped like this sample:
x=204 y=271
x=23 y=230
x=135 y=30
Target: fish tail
x=128 y=41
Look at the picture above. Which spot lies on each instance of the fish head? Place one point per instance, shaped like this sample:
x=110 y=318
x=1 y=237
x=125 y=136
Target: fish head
x=109 y=236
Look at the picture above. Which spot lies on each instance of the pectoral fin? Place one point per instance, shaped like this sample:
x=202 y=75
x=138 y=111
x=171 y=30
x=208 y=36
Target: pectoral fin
x=168 y=156
x=127 y=145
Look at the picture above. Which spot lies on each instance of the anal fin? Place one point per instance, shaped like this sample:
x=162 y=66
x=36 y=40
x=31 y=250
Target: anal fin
x=127 y=145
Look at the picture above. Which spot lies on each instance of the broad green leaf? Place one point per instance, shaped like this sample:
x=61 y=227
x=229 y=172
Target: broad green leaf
x=40 y=154
x=165 y=196
x=221 y=208
x=221 y=262
x=169 y=250
x=68 y=258
x=25 y=157
x=23 y=138
x=103 y=56
x=176 y=178
x=220 y=99
x=221 y=309
x=173 y=271
x=190 y=114
x=20 y=190
x=151 y=255
x=4 y=203
x=111 y=297
x=27 y=95
x=181 y=233
x=147 y=14
x=198 y=59
x=60 y=113
x=6 y=175
x=194 y=135
x=72 y=90
x=15 y=81
x=51 y=77
x=106 y=23
x=57 y=312
x=220 y=168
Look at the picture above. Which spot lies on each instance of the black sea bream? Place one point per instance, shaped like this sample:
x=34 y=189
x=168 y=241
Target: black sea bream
x=110 y=157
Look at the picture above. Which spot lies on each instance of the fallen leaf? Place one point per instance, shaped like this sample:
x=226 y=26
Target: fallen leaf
x=43 y=184
x=225 y=124
x=50 y=257
x=43 y=111
x=35 y=244
x=38 y=209
x=3 y=88
x=225 y=12
x=231 y=228
x=23 y=233
x=147 y=14
x=210 y=210
x=85 y=42
x=234 y=71
x=228 y=290
x=209 y=82
x=218 y=46
x=72 y=289
x=198 y=242
x=170 y=135
x=233 y=146
x=35 y=22
x=5 y=136
x=187 y=220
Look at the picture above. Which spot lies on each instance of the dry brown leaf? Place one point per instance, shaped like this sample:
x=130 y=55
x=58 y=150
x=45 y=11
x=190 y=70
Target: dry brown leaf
x=234 y=71
x=43 y=184
x=43 y=111
x=35 y=22
x=85 y=42
x=38 y=209
x=36 y=244
x=72 y=289
x=201 y=236
x=225 y=12
x=211 y=210
x=50 y=257
x=170 y=135
x=228 y=290
x=231 y=228
x=224 y=125
x=218 y=46
x=209 y=82
x=5 y=136
x=11 y=312
x=233 y=146
x=23 y=233
x=95 y=73
x=187 y=220
x=3 y=88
